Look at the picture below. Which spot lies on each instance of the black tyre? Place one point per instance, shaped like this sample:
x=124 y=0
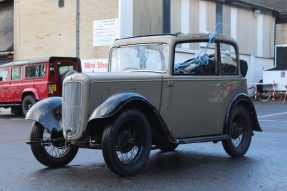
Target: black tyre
x=168 y=148
x=126 y=143
x=16 y=110
x=53 y=155
x=240 y=132
x=27 y=103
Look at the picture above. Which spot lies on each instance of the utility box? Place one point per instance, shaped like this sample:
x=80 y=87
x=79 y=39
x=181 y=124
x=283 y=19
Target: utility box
x=278 y=75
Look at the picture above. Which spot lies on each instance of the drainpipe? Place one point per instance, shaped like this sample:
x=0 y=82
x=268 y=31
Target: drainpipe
x=78 y=29
x=166 y=16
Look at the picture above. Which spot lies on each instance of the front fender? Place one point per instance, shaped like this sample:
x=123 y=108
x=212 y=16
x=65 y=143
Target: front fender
x=47 y=112
x=114 y=105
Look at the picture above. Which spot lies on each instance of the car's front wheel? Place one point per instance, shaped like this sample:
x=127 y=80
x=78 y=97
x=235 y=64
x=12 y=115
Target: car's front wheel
x=51 y=154
x=239 y=131
x=126 y=143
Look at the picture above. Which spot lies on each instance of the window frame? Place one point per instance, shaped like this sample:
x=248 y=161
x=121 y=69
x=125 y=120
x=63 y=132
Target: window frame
x=7 y=70
x=237 y=59
x=142 y=44
x=21 y=75
x=216 y=54
x=34 y=65
x=217 y=57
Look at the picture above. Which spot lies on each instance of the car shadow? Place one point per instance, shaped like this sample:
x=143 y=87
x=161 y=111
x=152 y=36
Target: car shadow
x=176 y=166
x=7 y=116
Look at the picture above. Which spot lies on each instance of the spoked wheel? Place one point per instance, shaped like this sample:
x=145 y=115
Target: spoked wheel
x=51 y=154
x=126 y=143
x=240 y=133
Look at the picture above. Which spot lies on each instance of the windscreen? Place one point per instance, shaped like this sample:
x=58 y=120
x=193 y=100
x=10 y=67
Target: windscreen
x=140 y=57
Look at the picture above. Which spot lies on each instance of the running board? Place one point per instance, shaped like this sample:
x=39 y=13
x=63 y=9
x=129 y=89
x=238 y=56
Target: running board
x=202 y=139
x=48 y=141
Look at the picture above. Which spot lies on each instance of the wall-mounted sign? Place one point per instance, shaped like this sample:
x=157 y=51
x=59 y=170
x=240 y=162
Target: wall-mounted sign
x=105 y=32
x=94 y=65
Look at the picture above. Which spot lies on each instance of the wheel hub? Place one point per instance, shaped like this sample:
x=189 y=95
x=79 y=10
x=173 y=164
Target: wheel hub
x=57 y=135
x=125 y=141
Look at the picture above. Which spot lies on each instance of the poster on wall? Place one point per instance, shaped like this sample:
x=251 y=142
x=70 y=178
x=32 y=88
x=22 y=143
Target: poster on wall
x=94 y=65
x=105 y=32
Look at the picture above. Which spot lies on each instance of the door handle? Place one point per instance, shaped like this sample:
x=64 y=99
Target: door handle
x=170 y=83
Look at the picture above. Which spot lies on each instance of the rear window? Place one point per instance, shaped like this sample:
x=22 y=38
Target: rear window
x=3 y=75
x=65 y=68
x=35 y=71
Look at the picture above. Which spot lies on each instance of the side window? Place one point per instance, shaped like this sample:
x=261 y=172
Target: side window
x=36 y=71
x=3 y=75
x=16 y=73
x=52 y=70
x=196 y=58
x=228 y=60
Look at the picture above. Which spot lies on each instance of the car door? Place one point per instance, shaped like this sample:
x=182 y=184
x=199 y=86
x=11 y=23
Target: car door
x=4 y=77
x=193 y=95
x=15 y=85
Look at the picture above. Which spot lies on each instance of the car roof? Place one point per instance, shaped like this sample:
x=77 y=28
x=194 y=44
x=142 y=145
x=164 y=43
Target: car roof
x=172 y=38
x=38 y=60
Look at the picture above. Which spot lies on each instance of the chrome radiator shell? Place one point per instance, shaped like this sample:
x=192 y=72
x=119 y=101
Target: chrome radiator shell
x=72 y=107
x=75 y=106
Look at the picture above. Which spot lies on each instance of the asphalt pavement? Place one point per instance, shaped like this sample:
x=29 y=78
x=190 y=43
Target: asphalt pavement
x=200 y=166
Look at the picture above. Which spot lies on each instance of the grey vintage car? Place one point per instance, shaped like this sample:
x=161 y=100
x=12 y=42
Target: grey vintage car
x=160 y=91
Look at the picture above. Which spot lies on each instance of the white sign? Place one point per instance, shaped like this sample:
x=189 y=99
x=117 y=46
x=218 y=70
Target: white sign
x=94 y=65
x=105 y=32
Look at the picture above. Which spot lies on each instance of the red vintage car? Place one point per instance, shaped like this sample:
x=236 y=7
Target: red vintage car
x=23 y=83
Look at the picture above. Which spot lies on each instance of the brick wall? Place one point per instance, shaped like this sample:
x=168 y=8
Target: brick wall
x=92 y=10
x=281 y=31
x=43 y=29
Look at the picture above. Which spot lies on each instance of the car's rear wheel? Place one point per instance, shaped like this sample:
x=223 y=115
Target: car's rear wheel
x=50 y=154
x=126 y=143
x=27 y=103
x=239 y=131
x=16 y=110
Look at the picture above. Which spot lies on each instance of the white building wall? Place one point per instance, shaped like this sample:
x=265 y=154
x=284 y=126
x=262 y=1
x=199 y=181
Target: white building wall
x=249 y=29
x=125 y=18
x=202 y=16
x=233 y=21
x=260 y=35
x=256 y=66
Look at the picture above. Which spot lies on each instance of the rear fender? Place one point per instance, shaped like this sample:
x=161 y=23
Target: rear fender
x=33 y=90
x=244 y=100
x=47 y=112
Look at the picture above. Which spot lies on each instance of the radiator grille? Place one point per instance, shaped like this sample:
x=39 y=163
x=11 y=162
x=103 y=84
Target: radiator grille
x=72 y=107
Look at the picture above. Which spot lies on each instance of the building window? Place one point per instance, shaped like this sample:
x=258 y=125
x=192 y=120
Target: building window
x=61 y=3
